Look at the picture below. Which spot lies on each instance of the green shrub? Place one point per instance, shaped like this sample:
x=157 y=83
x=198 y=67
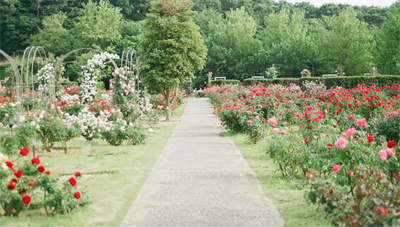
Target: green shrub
x=221 y=82
x=332 y=82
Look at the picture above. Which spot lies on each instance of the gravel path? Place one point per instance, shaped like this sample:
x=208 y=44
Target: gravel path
x=201 y=179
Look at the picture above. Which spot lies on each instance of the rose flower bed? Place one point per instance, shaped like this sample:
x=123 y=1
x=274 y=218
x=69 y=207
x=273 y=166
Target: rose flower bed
x=342 y=142
x=28 y=184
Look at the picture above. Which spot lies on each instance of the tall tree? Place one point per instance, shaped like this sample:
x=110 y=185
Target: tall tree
x=346 y=42
x=131 y=32
x=285 y=43
x=233 y=45
x=18 y=21
x=133 y=10
x=388 y=54
x=172 y=47
x=53 y=37
x=98 y=27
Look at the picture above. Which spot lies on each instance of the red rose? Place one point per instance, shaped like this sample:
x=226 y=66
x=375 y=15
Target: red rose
x=78 y=174
x=47 y=172
x=11 y=186
x=77 y=195
x=350 y=105
x=10 y=164
x=307 y=140
x=370 y=139
x=351 y=117
x=13 y=180
x=24 y=151
x=26 y=199
x=33 y=183
x=40 y=169
x=19 y=174
x=35 y=161
x=72 y=180
x=391 y=144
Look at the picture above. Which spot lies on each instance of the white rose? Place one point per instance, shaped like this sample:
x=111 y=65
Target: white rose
x=4 y=166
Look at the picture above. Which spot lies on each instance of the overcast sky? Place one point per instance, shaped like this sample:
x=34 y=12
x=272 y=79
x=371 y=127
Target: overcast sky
x=318 y=3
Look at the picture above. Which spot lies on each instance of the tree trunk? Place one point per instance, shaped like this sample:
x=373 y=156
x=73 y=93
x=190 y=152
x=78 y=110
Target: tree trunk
x=168 y=100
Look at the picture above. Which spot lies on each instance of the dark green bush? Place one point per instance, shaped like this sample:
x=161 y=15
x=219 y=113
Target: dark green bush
x=332 y=82
x=221 y=82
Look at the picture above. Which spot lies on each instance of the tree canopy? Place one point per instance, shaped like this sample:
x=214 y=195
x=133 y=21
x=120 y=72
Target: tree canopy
x=244 y=38
x=172 y=47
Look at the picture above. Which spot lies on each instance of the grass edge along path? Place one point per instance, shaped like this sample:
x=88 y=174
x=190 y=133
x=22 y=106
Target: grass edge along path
x=288 y=199
x=113 y=177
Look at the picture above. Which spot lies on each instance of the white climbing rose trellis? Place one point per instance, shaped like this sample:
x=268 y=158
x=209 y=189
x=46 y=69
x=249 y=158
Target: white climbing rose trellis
x=90 y=74
x=45 y=77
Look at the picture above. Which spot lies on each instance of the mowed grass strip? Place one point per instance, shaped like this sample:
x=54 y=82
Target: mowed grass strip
x=287 y=196
x=112 y=177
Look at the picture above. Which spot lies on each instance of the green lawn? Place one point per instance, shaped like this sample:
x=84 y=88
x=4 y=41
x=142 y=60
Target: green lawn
x=113 y=177
x=284 y=193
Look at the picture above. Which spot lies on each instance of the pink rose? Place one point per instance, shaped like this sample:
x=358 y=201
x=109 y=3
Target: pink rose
x=336 y=168
x=275 y=130
x=390 y=152
x=273 y=121
x=349 y=132
x=362 y=122
x=310 y=108
x=249 y=122
x=283 y=132
x=341 y=143
x=382 y=154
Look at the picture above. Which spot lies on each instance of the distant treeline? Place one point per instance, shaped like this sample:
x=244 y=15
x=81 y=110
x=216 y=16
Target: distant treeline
x=244 y=37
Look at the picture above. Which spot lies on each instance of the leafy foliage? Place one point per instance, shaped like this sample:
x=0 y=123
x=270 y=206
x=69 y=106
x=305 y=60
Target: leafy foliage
x=388 y=54
x=172 y=47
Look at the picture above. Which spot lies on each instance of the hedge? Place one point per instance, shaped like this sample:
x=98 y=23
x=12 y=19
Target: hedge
x=332 y=82
x=221 y=82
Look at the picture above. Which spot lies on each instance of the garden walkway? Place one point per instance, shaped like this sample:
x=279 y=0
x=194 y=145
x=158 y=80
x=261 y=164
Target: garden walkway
x=201 y=179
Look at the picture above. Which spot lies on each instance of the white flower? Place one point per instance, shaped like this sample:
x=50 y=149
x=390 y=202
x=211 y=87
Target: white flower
x=33 y=123
x=150 y=130
x=21 y=119
x=4 y=166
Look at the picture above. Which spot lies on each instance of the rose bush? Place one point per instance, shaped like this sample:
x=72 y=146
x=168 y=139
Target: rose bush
x=343 y=141
x=26 y=183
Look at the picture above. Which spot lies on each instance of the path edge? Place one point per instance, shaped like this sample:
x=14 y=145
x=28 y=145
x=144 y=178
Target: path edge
x=133 y=207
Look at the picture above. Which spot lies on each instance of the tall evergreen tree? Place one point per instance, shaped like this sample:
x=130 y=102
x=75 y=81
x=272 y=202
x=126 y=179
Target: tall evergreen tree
x=172 y=47
x=345 y=42
x=98 y=27
x=388 y=55
x=285 y=43
x=233 y=45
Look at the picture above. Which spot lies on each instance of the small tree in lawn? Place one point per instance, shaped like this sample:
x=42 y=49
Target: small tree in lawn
x=172 y=48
